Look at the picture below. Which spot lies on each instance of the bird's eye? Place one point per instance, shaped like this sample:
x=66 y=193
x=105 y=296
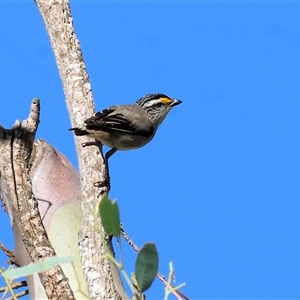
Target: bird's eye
x=159 y=104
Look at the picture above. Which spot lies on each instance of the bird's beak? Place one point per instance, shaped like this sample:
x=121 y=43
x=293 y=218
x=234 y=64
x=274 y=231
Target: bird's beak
x=175 y=102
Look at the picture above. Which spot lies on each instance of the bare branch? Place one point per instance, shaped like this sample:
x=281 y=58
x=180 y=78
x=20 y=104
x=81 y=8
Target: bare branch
x=9 y=253
x=15 y=151
x=102 y=277
x=15 y=285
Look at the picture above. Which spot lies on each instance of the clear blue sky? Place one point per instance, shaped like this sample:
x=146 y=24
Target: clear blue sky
x=217 y=189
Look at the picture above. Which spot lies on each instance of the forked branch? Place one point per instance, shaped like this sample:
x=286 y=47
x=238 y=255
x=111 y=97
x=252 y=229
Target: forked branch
x=16 y=190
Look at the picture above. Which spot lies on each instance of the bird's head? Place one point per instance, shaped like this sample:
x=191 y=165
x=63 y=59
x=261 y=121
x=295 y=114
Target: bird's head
x=157 y=106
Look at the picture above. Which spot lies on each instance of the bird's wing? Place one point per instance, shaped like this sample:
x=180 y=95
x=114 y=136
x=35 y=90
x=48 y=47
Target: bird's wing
x=110 y=120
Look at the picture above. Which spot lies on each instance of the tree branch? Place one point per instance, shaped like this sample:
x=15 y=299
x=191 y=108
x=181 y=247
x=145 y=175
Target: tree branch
x=99 y=273
x=15 y=151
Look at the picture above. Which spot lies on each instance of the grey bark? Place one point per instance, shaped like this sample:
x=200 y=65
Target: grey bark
x=101 y=276
x=16 y=192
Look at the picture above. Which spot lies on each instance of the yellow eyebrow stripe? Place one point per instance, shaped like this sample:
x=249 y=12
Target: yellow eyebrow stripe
x=165 y=100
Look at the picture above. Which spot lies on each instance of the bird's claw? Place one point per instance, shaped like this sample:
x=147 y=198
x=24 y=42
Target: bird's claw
x=95 y=143
x=104 y=183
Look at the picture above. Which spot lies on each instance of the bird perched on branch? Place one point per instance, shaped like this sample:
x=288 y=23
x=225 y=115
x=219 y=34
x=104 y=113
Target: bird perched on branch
x=126 y=127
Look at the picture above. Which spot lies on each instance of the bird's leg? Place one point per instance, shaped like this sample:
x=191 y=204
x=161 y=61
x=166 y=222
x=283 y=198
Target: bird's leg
x=110 y=153
x=107 y=156
x=107 y=181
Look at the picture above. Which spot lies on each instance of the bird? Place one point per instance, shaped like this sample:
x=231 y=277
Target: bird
x=127 y=127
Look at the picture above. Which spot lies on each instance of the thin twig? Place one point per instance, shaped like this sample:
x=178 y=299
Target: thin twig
x=15 y=285
x=9 y=253
x=158 y=275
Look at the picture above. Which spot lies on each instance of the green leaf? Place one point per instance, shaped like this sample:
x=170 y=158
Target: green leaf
x=39 y=267
x=146 y=266
x=110 y=217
